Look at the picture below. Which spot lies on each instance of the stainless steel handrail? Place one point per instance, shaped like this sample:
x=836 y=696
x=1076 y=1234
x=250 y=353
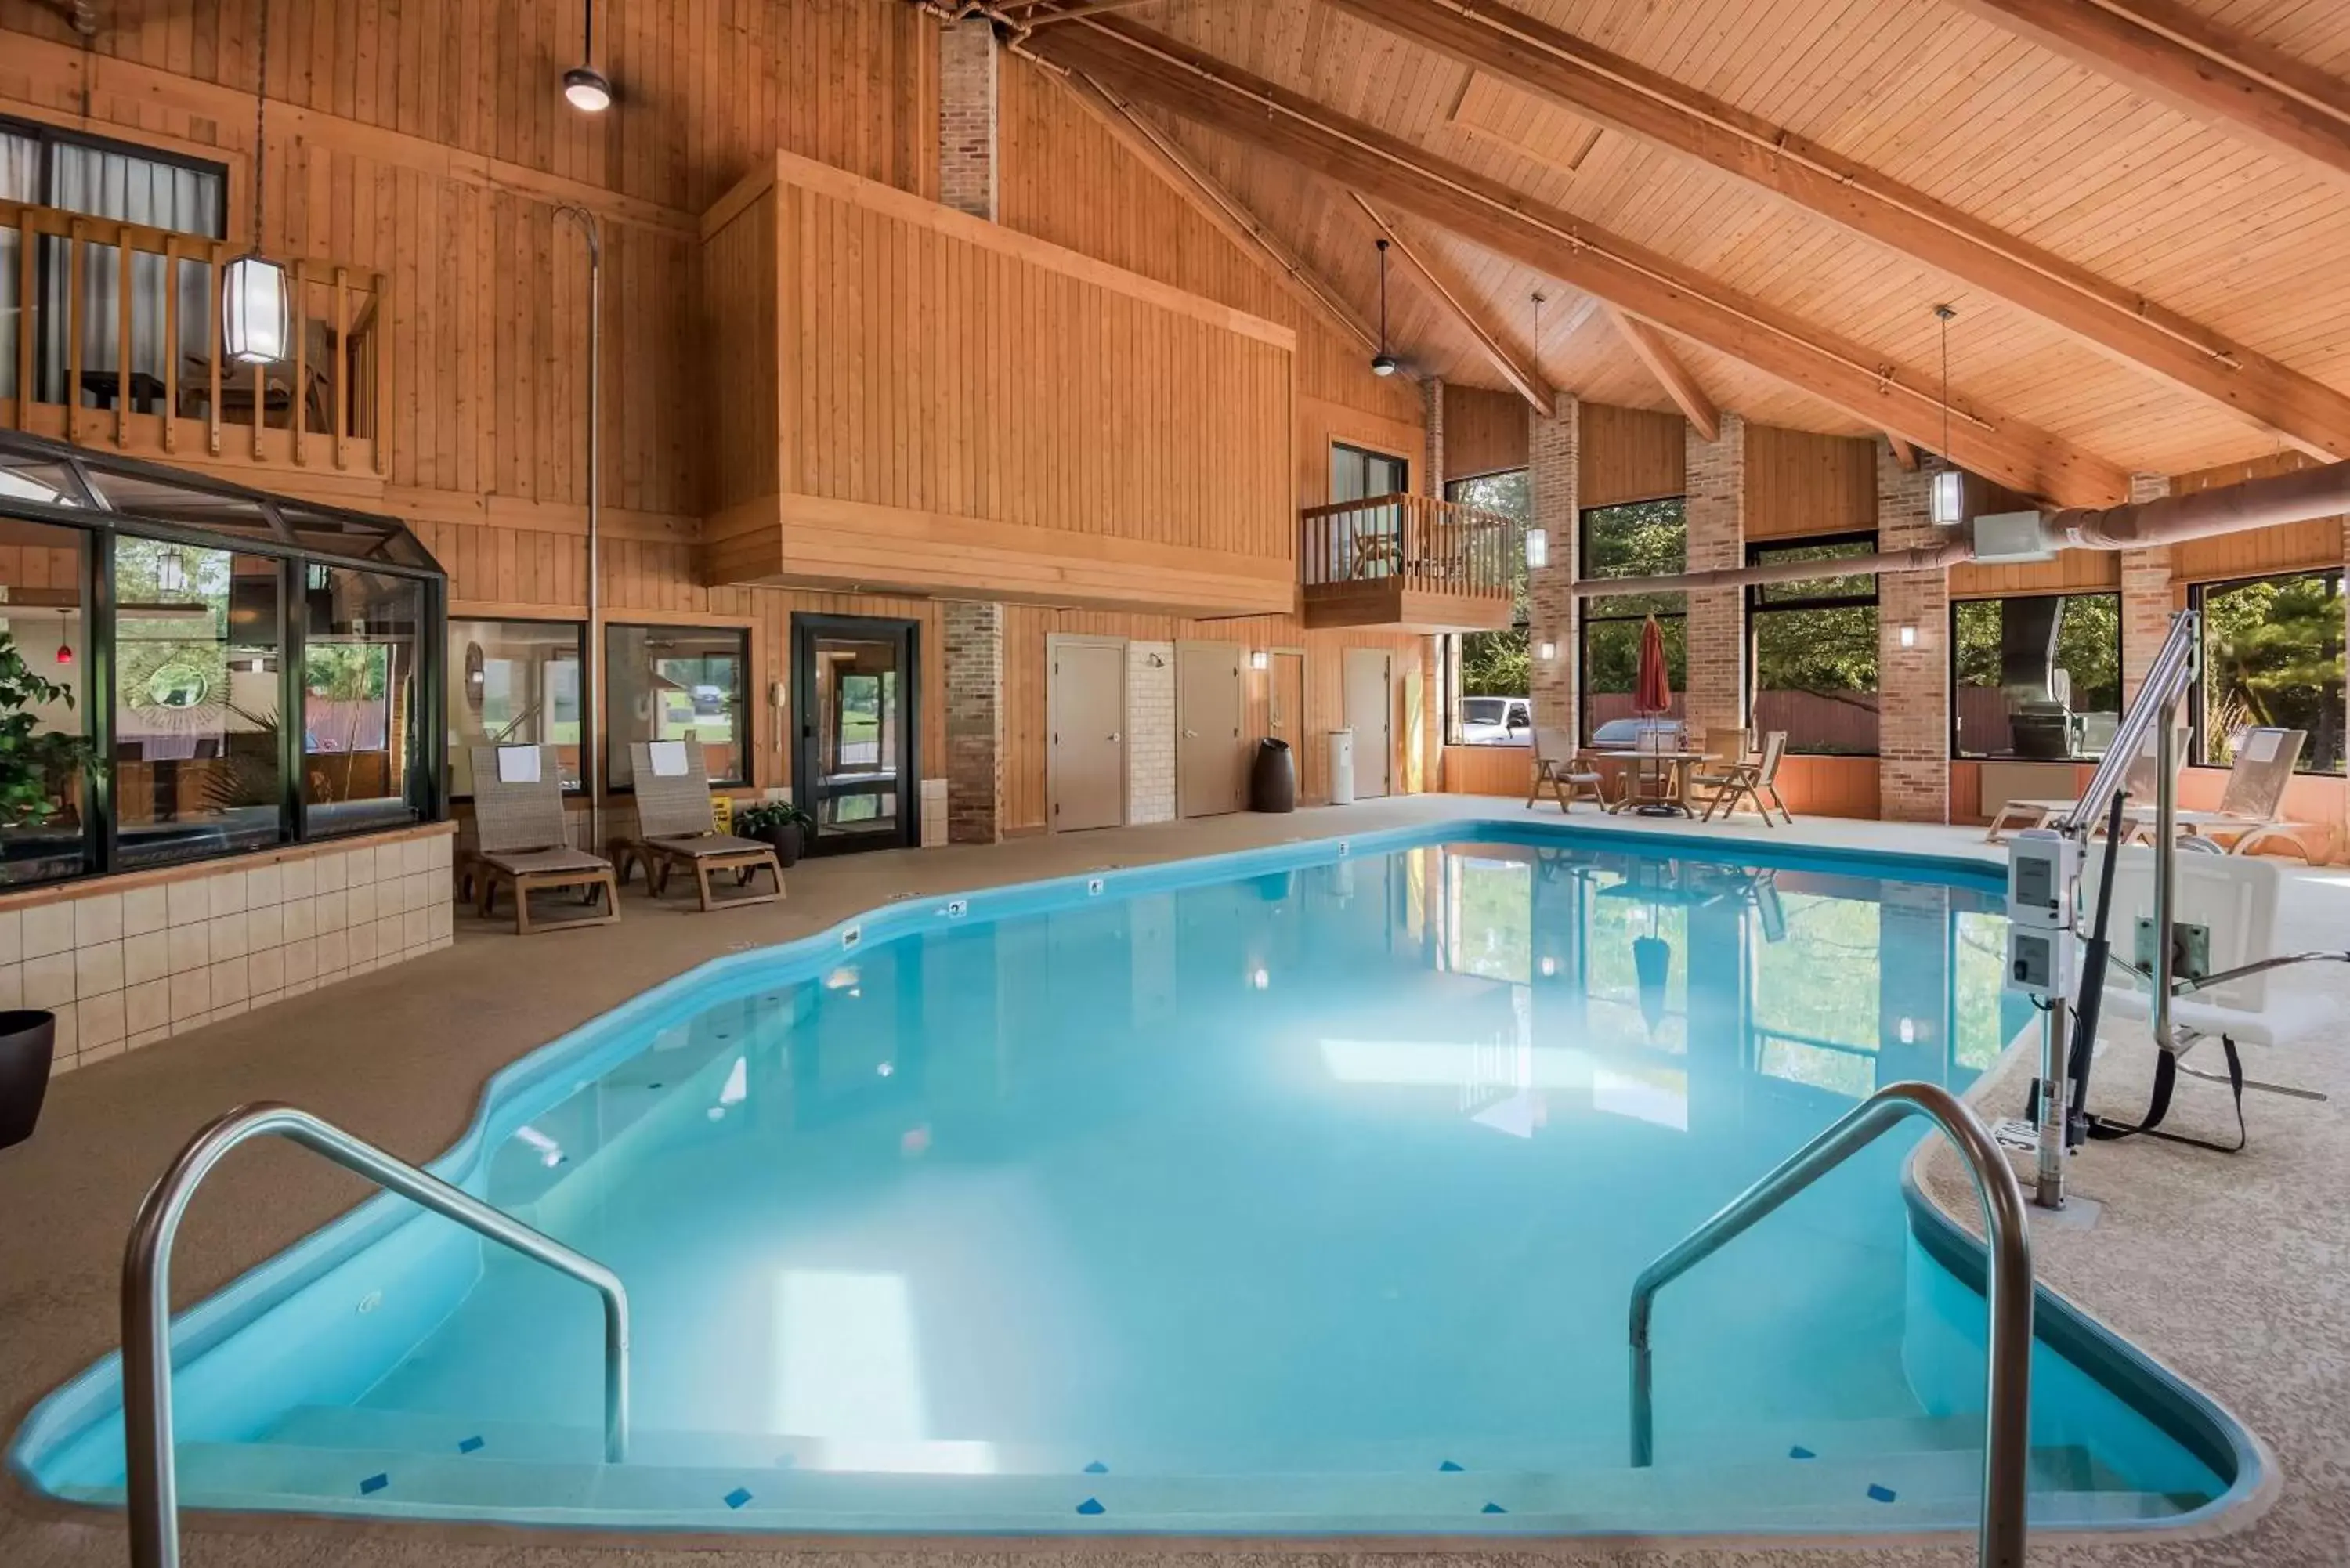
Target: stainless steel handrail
x=152 y=1474
x=2008 y=1287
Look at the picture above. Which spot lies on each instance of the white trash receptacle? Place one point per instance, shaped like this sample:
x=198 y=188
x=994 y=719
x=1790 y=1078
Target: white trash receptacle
x=1342 y=767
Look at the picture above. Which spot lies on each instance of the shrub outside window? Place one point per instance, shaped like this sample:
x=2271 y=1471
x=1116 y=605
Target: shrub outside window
x=2272 y=655
x=1812 y=650
x=2036 y=676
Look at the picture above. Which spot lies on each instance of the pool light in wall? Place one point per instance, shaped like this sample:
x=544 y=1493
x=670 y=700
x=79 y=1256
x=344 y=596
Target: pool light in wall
x=1537 y=548
x=588 y=89
x=255 y=314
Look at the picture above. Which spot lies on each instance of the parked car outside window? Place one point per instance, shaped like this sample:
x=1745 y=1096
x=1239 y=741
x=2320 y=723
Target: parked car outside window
x=1496 y=722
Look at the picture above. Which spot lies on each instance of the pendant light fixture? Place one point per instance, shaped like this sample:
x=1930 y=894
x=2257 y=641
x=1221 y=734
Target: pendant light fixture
x=1383 y=363
x=1949 y=485
x=256 y=325
x=588 y=89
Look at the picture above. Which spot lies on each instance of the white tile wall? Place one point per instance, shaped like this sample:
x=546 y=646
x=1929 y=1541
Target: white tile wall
x=934 y=813
x=123 y=970
x=1150 y=732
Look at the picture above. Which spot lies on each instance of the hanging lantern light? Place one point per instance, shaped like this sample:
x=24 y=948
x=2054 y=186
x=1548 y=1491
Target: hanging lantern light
x=172 y=571
x=1948 y=488
x=255 y=316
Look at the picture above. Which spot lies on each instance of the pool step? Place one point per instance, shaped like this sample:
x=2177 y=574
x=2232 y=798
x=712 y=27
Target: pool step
x=1886 y=1491
x=426 y=1433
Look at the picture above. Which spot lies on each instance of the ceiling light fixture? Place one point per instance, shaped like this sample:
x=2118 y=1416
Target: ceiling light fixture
x=589 y=89
x=1949 y=485
x=1383 y=363
x=254 y=325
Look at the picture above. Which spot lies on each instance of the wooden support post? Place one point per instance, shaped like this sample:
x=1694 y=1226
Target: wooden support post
x=170 y=431
x=74 y=248
x=297 y=412
x=212 y=348
x=342 y=376
x=27 y=270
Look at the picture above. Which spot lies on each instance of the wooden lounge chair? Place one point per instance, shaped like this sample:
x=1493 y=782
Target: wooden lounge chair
x=2252 y=802
x=1556 y=768
x=1755 y=781
x=2016 y=815
x=518 y=826
x=675 y=827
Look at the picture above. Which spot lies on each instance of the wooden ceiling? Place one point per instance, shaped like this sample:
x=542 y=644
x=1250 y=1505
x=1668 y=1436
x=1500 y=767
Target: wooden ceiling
x=2200 y=306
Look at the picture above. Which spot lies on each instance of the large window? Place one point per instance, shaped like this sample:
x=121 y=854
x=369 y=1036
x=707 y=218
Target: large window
x=677 y=683
x=2273 y=656
x=1358 y=474
x=1812 y=646
x=1495 y=675
x=363 y=632
x=514 y=683
x=2037 y=677
x=44 y=817
x=1637 y=539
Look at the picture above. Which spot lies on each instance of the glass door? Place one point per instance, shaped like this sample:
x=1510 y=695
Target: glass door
x=855 y=770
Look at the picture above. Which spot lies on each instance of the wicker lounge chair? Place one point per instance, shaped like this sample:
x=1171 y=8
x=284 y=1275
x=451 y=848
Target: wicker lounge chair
x=520 y=841
x=675 y=827
x=2252 y=802
x=1555 y=768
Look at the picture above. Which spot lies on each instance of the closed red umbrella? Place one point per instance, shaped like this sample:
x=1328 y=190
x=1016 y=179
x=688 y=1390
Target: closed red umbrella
x=1652 y=689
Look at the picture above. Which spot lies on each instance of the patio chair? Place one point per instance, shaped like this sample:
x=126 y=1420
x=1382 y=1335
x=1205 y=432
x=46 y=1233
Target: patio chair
x=1555 y=766
x=518 y=827
x=2252 y=802
x=2015 y=815
x=1755 y=780
x=675 y=827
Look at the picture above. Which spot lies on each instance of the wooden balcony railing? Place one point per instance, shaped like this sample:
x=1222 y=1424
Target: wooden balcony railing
x=111 y=331
x=1432 y=546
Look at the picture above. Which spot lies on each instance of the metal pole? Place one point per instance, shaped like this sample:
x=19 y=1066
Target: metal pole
x=592 y=666
x=2055 y=1078
x=151 y=1492
x=2166 y=850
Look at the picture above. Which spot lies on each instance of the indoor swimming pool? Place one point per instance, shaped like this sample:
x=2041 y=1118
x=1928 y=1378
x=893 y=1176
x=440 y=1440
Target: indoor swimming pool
x=1297 y=1191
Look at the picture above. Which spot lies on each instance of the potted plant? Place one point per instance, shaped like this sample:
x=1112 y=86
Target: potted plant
x=778 y=823
x=40 y=774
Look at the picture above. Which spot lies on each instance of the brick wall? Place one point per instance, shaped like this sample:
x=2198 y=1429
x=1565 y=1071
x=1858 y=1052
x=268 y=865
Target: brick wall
x=967 y=118
x=1149 y=731
x=1913 y=777
x=1553 y=454
x=2145 y=594
x=972 y=642
x=1717 y=618
x=1431 y=472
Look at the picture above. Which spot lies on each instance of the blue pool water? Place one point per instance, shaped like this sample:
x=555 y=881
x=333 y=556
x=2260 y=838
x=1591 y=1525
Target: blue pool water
x=1299 y=1192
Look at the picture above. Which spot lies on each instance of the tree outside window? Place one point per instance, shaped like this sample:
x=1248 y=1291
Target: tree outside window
x=1496 y=663
x=2272 y=655
x=2036 y=676
x=1636 y=539
x=1813 y=649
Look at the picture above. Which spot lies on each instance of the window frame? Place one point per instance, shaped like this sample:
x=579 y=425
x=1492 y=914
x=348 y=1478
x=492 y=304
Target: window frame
x=2196 y=733
x=101 y=525
x=1359 y=450
x=1584 y=618
x=1756 y=606
x=1452 y=648
x=1951 y=664
x=48 y=136
x=589 y=733
x=742 y=715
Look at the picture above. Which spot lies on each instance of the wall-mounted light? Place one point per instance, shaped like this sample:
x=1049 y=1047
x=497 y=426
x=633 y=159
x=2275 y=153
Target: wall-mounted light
x=1950 y=498
x=1908 y=636
x=588 y=89
x=1259 y=659
x=1537 y=548
x=1546 y=651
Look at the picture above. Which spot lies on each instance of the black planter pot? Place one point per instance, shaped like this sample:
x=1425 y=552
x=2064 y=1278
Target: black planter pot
x=27 y=1040
x=785 y=841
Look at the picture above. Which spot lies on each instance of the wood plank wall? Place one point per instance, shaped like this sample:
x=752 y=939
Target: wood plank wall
x=1629 y=454
x=1801 y=484
x=1485 y=431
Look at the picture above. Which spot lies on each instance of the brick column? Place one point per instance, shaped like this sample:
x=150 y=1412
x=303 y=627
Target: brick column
x=1716 y=701
x=1553 y=459
x=2145 y=594
x=973 y=645
x=967 y=119
x=1913 y=683
x=1431 y=472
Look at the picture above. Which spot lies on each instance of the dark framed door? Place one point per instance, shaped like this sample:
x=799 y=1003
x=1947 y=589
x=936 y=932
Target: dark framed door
x=856 y=706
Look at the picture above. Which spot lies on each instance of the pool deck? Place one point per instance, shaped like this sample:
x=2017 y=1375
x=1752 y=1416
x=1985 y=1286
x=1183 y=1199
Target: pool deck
x=2233 y=1271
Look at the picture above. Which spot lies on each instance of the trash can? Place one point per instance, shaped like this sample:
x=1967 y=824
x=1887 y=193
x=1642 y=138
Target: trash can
x=1342 y=767
x=1273 y=777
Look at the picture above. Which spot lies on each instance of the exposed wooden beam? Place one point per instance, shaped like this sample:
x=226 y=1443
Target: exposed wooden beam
x=1904 y=454
x=1527 y=382
x=1042 y=14
x=1213 y=200
x=1665 y=366
x=1554 y=64
x=2205 y=71
x=1151 y=68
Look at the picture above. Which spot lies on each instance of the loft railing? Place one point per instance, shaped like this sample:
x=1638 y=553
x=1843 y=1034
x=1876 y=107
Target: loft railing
x=111 y=331
x=1434 y=546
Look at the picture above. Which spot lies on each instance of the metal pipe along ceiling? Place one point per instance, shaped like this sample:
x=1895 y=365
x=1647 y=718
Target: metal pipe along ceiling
x=2294 y=497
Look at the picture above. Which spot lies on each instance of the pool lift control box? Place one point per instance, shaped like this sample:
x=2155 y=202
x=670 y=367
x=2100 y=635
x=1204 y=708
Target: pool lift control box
x=2041 y=867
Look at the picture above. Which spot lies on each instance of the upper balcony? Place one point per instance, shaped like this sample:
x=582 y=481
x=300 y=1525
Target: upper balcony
x=1407 y=563
x=110 y=335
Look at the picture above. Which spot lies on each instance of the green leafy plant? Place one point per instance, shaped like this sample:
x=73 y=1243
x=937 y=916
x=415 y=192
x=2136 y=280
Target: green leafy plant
x=766 y=815
x=37 y=768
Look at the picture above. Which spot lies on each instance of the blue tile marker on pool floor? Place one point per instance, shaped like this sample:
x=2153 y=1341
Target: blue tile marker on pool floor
x=373 y=1484
x=1096 y=1469
x=1879 y=1493
x=468 y=1445
x=1091 y=1505
x=738 y=1497
x=1448 y=1467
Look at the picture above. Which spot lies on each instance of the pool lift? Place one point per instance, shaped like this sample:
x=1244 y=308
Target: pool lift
x=2050 y=962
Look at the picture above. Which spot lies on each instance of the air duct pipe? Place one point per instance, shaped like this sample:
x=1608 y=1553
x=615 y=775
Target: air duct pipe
x=2296 y=497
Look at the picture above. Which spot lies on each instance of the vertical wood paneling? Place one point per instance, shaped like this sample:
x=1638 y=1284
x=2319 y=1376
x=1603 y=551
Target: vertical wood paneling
x=1629 y=454
x=1484 y=431
x=1799 y=484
